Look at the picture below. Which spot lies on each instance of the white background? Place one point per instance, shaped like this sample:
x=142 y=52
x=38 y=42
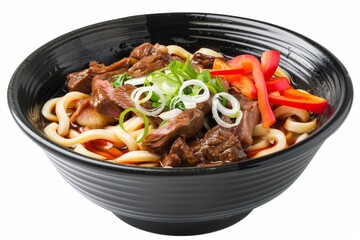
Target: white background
x=37 y=203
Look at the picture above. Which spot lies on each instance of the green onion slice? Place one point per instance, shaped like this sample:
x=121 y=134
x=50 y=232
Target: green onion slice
x=141 y=114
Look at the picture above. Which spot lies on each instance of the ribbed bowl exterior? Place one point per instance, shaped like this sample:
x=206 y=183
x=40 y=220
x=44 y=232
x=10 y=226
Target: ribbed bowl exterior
x=143 y=196
x=182 y=198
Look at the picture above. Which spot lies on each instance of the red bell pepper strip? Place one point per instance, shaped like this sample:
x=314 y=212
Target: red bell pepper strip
x=241 y=82
x=244 y=84
x=295 y=98
x=277 y=84
x=221 y=65
x=266 y=112
x=227 y=71
x=269 y=62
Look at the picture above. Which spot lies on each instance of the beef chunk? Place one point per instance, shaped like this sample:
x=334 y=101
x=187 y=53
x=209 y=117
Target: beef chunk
x=143 y=60
x=150 y=58
x=141 y=51
x=180 y=154
x=204 y=106
x=100 y=68
x=188 y=123
x=203 y=61
x=251 y=117
x=219 y=144
x=146 y=65
x=81 y=81
x=107 y=99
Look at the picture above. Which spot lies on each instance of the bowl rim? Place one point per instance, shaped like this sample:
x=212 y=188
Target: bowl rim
x=327 y=129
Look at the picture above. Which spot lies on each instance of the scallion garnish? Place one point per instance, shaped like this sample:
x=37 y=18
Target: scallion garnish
x=120 y=79
x=141 y=114
x=173 y=81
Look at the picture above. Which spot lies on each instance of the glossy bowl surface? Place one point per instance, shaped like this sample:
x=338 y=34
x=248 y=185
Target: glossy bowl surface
x=179 y=201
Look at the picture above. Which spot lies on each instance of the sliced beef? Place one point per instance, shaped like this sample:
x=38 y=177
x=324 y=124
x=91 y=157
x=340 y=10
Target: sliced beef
x=180 y=154
x=205 y=106
x=122 y=96
x=187 y=123
x=150 y=58
x=203 y=61
x=100 y=68
x=154 y=120
x=141 y=51
x=143 y=60
x=81 y=81
x=107 y=99
x=251 y=117
x=146 y=65
x=219 y=144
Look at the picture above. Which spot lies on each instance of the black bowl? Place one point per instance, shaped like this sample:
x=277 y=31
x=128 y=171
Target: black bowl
x=179 y=201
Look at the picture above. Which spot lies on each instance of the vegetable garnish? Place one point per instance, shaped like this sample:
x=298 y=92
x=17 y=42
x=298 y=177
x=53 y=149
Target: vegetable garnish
x=299 y=99
x=199 y=93
x=173 y=82
x=120 y=79
x=241 y=81
x=139 y=113
x=245 y=84
x=136 y=81
x=180 y=86
x=137 y=93
x=269 y=63
x=277 y=84
x=267 y=115
x=234 y=112
x=227 y=71
x=246 y=68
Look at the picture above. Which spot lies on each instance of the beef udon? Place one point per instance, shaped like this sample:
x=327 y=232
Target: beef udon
x=163 y=106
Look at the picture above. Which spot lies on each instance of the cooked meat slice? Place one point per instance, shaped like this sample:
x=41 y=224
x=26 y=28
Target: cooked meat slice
x=150 y=58
x=143 y=60
x=122 y=96
x=219 y=144
x=180 y=154
x=141 y=51
x=163 y=51
x=251 y=117
x=188 y=123
x=204 y=106
x=203 y=61
x=107 y=99
x=81 y=81
x=101 y=100
x=100 y=68
x=146 y=65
